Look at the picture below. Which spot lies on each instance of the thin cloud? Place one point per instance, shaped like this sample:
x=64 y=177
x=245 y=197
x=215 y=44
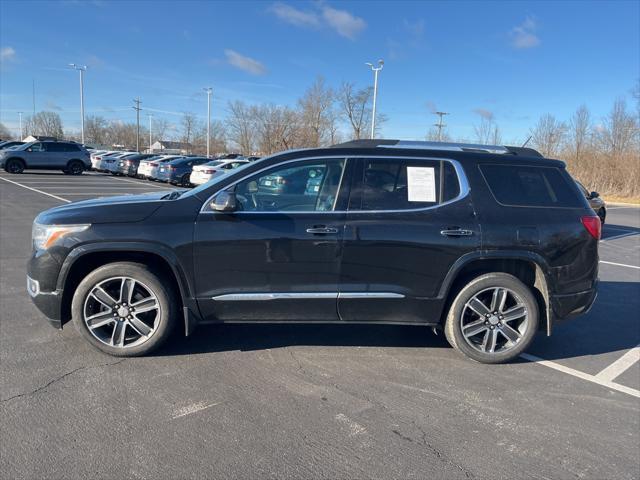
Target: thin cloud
x=248 y=64
x=484 y=113
x=7 y=54
x=524 y=35
x=342 y=22
x=294 y=16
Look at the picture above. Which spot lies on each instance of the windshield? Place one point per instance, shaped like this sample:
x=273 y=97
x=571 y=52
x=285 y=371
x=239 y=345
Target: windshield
x=215 y=180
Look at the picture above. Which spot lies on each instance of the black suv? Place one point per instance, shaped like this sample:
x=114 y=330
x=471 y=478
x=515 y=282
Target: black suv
x=491 y=244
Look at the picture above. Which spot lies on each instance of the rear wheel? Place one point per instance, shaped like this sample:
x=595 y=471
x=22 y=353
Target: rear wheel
x=14 y=165
x=74 y=167
x=184 y=181
x=493 y=319
x=602 y=213
x=124 y=309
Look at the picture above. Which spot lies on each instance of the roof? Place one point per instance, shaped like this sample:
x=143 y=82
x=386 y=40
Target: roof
x=449 y=146
x=174 y=145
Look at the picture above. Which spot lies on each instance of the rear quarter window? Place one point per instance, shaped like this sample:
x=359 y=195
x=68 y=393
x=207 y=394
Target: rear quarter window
x=531 y=186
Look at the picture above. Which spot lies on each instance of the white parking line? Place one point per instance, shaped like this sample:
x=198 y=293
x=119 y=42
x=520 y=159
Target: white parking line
x=584 y=376
x=137 y=182
x=36 y=190
x=619 y=264
x=618 y=367
x=622 y=235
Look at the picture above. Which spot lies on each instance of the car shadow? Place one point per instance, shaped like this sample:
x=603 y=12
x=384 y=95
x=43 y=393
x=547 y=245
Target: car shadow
x=611 y=325
x=250 y=337
x=612 y=230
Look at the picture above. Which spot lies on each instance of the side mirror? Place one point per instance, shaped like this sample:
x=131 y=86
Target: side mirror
x=224 y=202
x=594 y=195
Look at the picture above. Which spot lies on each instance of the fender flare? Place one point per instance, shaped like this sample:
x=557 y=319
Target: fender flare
x=542 y=278
x=167 y=254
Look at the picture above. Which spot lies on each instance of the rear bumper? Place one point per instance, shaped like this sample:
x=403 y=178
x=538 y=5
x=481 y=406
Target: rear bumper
x=572 y=305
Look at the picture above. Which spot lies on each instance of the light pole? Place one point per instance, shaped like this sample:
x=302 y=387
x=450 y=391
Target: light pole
x=375 y=93
x=81 y=69
x=150 y=117
x=209 y=91
x=20 y=117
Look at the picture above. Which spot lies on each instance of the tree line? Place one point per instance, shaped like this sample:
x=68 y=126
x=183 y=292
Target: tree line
x=604 y=155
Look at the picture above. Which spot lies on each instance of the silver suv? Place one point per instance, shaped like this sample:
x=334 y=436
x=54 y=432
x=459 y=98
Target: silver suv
x=70 y=157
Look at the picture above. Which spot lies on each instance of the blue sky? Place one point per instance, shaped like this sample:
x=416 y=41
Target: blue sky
x=514 y=60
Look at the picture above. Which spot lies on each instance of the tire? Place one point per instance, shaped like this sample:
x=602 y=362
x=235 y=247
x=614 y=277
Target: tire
x=184 y=181
x=14 y=165
x=141 y=331
x=602 y=213
x=509 y=339
x=74 y=167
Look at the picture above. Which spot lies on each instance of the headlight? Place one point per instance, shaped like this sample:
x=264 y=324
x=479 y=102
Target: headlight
x=46 y=235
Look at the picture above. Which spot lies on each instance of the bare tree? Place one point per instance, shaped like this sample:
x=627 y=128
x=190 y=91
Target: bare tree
x=433 y=135
x=277 y=127
x=47 y=124
x=548 y=135
x=95 y=128
x=487 y=131
x=189 y=126
x=620 y=130
x=579 y=131
x=121 y=134
x=356 y=109
x=4 y=132
x=241 y=127
x=317 y=115
x=160 y=129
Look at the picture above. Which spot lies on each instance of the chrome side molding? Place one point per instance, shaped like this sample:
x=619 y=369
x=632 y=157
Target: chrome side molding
x=239 y=297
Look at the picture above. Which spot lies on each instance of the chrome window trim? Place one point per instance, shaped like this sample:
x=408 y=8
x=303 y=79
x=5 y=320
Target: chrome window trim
x=235 y=297
x=463 y=184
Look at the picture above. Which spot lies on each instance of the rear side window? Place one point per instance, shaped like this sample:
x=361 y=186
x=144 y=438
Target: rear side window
x=405 y=184
x=530 y=186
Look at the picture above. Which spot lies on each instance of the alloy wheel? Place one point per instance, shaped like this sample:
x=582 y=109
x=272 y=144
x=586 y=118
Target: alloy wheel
x=121 y=312
x=494 y=320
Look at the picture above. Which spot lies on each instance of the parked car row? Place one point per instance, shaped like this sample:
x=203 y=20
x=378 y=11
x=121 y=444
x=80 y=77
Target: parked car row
x=183 y=170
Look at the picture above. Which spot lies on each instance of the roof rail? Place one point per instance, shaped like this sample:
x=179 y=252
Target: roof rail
x=449 y=146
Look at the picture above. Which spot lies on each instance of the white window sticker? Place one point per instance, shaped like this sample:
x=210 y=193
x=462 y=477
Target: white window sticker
x=421 y=184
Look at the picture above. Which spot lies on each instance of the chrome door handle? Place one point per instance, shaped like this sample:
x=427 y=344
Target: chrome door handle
x=456 y=233
x=322 y=230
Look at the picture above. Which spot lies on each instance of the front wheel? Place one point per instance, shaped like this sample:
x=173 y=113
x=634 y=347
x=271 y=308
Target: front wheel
x=14 y=165
x=124 y=309
x=493 y=319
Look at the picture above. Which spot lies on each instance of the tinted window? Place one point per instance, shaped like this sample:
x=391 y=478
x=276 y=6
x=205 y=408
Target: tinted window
x=36 y=147
x=530 y=186
x=71 y=147
x=308 y=186
x=401 y=184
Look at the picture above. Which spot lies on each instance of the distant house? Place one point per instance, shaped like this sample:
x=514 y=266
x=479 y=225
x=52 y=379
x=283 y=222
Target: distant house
x=39 y=138
x=176 y=148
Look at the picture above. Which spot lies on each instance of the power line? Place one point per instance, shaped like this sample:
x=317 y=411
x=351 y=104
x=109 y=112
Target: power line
x=440 y=125
x=137 y=109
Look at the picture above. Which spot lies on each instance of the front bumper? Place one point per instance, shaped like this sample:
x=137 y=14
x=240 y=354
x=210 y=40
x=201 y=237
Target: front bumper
x=49 y=303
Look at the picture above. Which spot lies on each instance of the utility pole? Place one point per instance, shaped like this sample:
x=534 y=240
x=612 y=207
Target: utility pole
x=375 y=71
x=209 y=90
x=137 y=109
x=20 y=117
x=33 y=97
x=440 y=125
x=81 y=69
x=150 y=117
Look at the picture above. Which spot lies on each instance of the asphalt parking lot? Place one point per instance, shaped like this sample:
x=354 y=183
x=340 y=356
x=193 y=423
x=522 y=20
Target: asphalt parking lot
x=296 y=401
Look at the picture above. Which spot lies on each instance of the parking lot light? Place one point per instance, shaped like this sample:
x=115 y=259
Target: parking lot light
x=375 y=71
x=81 y=69
x=209 y=91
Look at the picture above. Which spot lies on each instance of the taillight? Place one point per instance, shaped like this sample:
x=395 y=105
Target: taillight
x=209 y=172
x=153 y=164
x=593 y=225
